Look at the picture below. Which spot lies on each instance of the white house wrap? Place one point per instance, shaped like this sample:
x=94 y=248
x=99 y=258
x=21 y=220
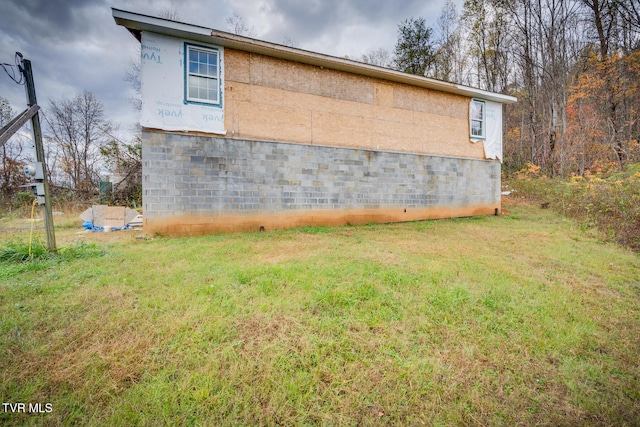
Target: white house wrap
x=493 y=141
x=164 y=104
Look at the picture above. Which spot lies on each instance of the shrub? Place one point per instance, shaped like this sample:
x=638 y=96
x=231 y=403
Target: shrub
x=24 y=198
x=608 y=201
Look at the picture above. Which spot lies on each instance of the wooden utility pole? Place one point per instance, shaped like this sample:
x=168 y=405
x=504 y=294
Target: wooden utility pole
x=37 y=138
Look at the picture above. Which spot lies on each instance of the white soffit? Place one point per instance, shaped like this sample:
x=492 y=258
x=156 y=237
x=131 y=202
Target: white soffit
x=136 y=23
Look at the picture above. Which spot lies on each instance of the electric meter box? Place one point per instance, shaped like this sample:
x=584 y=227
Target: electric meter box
x=37 y=189
x=34 y=171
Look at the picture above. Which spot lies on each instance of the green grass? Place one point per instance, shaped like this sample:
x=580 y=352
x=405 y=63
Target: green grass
x=522 y=319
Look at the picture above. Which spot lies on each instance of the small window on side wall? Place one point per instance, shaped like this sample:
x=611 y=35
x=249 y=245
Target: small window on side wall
x=477 y=118
x=202 y=79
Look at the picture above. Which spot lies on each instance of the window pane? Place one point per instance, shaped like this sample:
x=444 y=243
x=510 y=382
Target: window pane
x=212 y=62
x=193 y=55
x=476 y=128
x=193 y=92
x=213 y=91
x=476 y=110
x=194 y=84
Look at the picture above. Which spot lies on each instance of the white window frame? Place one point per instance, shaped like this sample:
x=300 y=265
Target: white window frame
x=188 y=48
x=482 y=120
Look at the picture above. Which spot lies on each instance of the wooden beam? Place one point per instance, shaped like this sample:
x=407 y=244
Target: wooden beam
x=16 y=123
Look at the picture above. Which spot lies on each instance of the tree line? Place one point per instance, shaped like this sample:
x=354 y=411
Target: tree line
x=80 y=148
x=574 y=66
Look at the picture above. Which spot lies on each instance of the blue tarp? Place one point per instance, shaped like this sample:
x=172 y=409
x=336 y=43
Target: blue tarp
x=90 y=227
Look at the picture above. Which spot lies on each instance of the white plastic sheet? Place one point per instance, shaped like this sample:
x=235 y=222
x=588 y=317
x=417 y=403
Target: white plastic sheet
x=493 y=131
x=493 y=140
x=163 y=80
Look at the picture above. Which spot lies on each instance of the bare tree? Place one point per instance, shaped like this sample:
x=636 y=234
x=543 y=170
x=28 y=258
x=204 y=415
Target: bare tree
x=132 y=76
x=237 y=26
x=380 y=57
x=488 y=33
x=125 y=161
x=604 y=18
x=78 y=128
x=450 y=61
x=631 y=13
x=288 y=41
x=169 y=13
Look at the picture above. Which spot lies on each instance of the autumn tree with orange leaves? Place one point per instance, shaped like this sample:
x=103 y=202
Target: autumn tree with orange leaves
x=604 y=110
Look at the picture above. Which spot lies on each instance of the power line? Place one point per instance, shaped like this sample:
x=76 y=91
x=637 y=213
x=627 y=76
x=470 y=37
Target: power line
x=16 y=70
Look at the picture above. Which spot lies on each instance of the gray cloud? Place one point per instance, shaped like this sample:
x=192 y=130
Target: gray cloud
x=47 y=22
x=73 y=45
x=336 y=27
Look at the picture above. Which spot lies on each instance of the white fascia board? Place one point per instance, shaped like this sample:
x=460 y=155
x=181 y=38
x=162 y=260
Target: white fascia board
x=137 y=23
x=489 y=96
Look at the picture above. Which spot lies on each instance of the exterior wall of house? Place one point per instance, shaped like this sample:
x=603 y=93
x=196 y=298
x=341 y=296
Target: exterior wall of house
x=302 y=145
x=273 y=99
x=203 y=184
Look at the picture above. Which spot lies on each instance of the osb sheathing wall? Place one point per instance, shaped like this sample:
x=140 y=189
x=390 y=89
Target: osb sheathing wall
x=273 y=99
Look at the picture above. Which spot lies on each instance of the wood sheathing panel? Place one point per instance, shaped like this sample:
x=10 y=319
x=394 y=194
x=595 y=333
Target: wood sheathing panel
x=273 y=99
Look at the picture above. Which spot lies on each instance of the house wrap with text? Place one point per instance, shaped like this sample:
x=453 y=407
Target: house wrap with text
x=239 y=134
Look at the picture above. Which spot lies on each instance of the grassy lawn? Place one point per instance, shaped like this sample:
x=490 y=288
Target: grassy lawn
x=523 y=319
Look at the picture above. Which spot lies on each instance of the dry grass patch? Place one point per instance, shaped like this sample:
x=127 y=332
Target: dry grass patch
x=288 y=249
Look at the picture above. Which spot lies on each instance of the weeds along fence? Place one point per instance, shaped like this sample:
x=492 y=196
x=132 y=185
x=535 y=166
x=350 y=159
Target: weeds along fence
x=608 y=201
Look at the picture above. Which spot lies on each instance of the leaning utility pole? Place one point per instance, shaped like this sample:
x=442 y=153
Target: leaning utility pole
x=37 y=138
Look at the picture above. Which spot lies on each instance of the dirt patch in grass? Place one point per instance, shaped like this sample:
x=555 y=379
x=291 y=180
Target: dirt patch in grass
x=258 y=333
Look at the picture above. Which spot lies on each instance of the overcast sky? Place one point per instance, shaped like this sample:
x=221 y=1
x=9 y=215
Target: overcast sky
x=75 y=44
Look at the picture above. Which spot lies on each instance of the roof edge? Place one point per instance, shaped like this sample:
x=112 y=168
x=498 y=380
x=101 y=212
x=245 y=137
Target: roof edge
x=137 y=23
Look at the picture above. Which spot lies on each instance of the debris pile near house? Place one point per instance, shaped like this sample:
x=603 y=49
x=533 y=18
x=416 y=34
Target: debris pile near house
x=110 y=218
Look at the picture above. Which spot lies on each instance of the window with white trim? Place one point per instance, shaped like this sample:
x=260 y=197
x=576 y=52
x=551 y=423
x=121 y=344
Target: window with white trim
x=202 y=75
x=477 y=118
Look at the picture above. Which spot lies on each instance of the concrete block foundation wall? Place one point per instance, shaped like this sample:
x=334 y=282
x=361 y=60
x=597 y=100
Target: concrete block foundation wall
x=201 y=185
